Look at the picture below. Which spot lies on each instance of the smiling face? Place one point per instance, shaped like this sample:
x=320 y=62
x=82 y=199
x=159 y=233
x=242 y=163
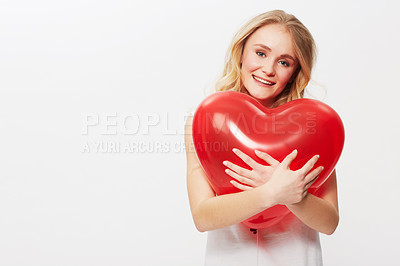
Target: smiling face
x=268 y=62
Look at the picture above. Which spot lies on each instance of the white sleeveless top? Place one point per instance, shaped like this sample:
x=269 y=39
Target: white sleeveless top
x=288 y=243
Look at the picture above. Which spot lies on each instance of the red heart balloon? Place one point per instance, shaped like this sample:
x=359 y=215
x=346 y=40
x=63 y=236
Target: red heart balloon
x=227 y=120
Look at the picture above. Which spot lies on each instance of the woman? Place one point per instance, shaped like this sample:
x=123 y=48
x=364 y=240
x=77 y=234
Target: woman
x=270 y=59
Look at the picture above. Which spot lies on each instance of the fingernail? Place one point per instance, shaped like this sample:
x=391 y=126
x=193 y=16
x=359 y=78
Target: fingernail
x=225 y=163
x=317 y=156
x=295 y=150
x=234 y=150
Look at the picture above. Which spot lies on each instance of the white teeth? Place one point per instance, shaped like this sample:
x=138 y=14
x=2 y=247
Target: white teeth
x=263 y=81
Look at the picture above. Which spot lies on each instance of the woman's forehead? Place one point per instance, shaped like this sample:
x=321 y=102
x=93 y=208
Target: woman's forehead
x=273 y=37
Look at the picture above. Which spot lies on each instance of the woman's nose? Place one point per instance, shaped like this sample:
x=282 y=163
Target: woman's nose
x=269 y=68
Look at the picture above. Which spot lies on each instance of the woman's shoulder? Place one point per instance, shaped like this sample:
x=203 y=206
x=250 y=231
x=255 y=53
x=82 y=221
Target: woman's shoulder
x=188 y=120
x=188 y=128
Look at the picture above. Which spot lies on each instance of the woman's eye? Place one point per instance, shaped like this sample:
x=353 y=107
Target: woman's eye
x=260 y=54
x=284 y=63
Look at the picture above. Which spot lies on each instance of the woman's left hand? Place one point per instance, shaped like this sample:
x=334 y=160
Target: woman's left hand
x=259 y=174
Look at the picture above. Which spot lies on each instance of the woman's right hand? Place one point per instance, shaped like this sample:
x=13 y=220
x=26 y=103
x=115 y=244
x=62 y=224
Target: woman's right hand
x=290 y=187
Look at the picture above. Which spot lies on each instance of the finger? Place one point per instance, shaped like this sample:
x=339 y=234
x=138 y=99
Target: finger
x=245 y=158
x=308 y=185
x=240 y=186
x=289 y=159
x=238 y=169
x=239 y=178
x=312 y=176
x=309 y=165
x=267 y=158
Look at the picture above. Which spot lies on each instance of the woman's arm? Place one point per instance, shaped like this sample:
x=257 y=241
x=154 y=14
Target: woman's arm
x=210 y=212
x=320 y=213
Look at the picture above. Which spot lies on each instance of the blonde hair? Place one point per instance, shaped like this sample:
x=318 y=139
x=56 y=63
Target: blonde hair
x=304 y=47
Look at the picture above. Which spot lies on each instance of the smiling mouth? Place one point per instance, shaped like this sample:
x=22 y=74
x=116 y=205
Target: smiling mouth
x=263 y=81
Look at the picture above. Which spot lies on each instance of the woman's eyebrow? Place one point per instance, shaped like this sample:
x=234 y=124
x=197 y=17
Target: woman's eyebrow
x=269 y=49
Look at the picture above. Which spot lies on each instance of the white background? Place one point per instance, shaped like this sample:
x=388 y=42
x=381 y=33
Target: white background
x=65 y=64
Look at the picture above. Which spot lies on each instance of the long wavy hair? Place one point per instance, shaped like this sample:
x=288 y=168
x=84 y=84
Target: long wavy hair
x=304 y=47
